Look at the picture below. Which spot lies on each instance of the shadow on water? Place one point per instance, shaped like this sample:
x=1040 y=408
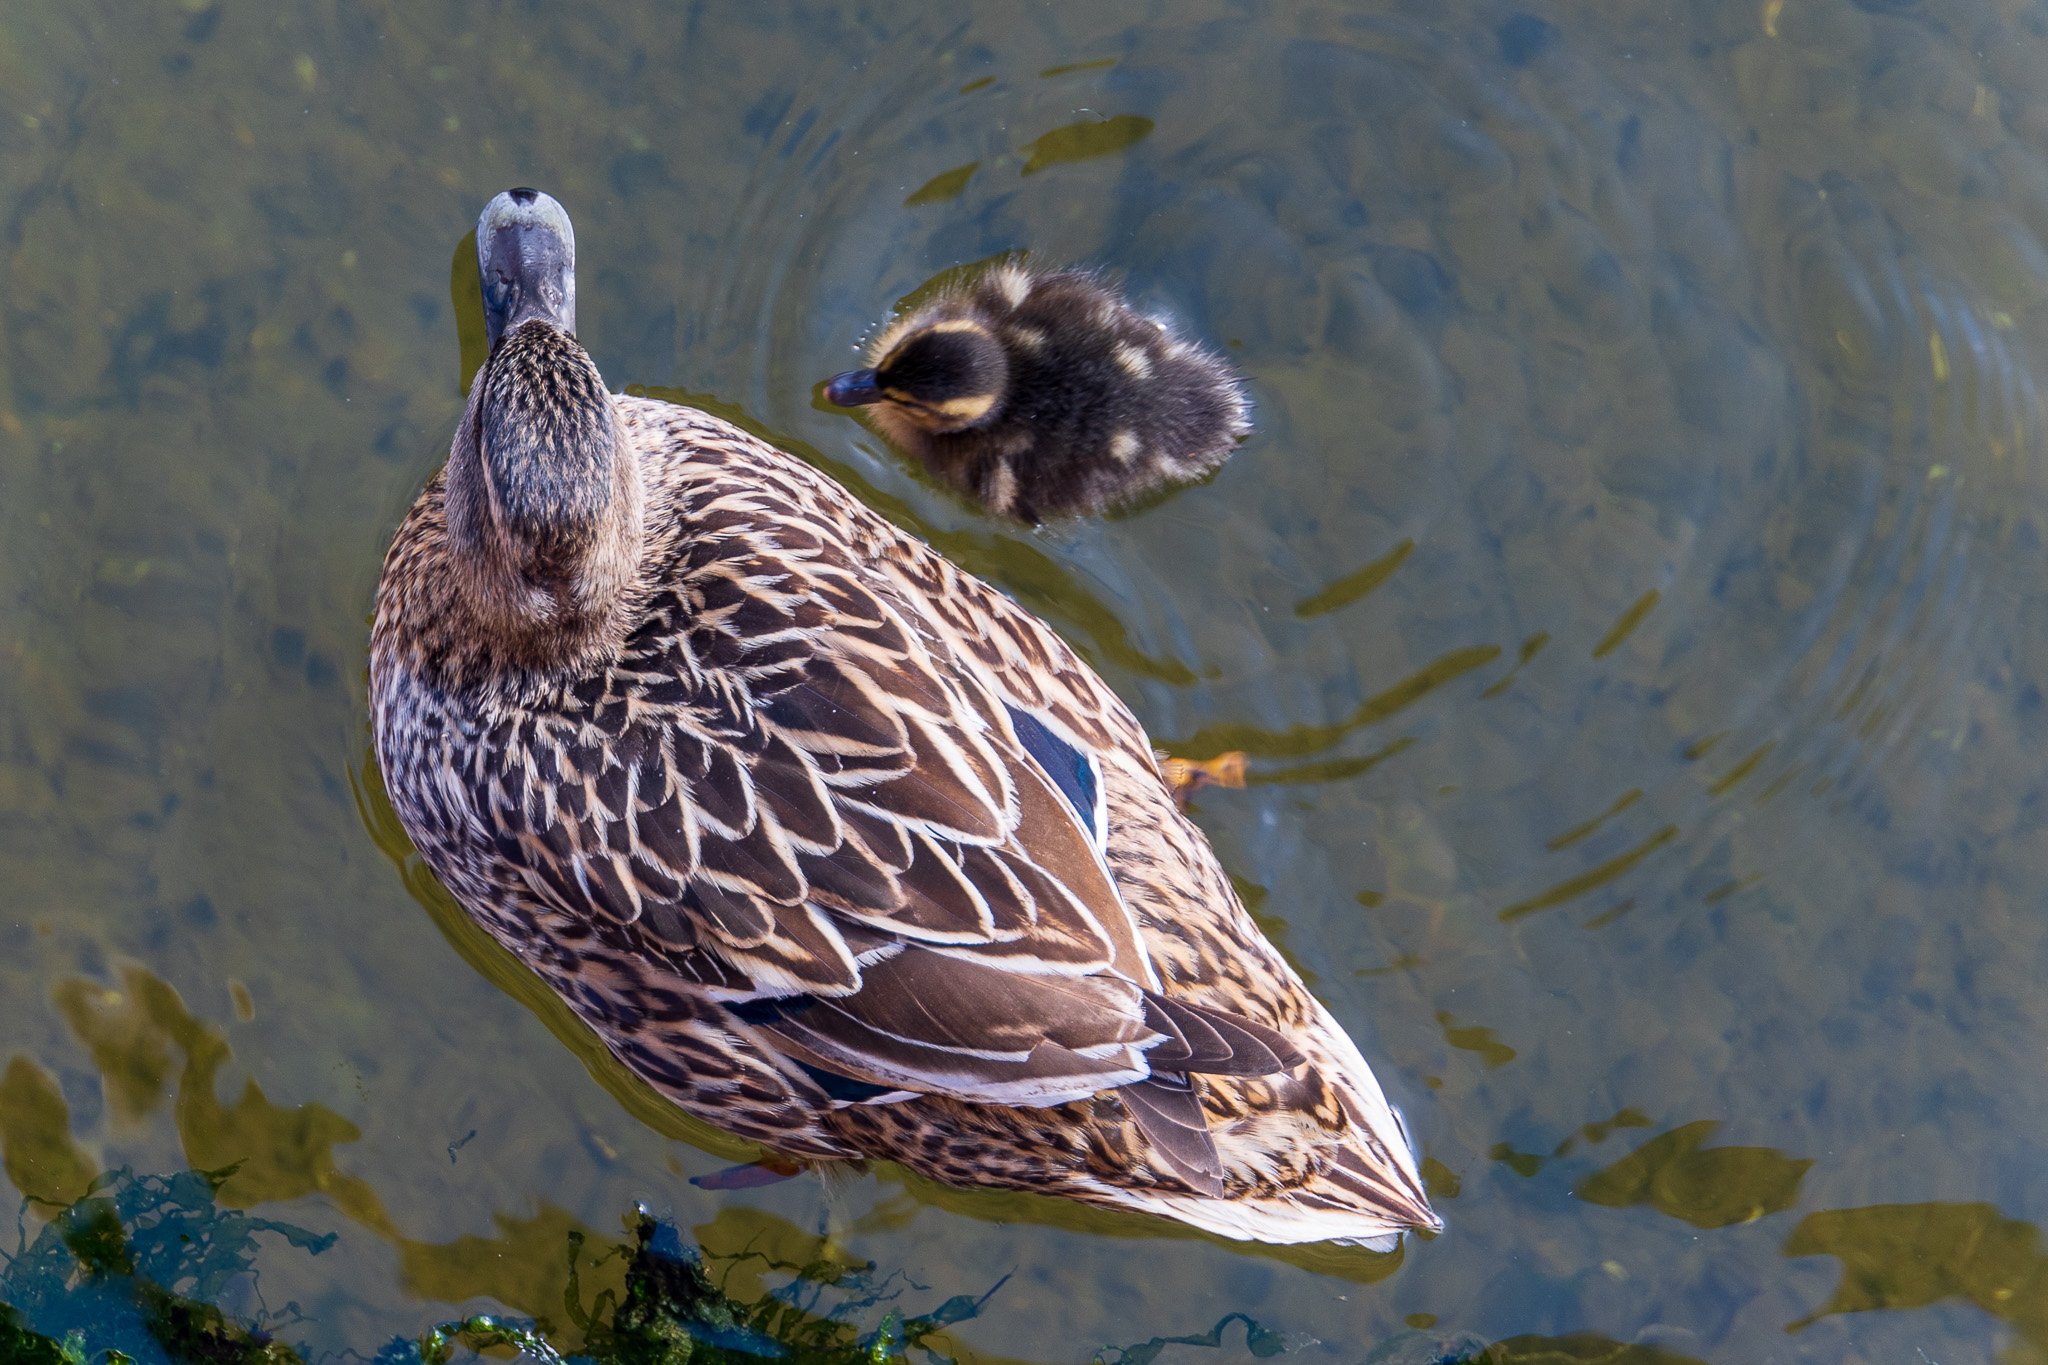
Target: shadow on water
x=466 y=301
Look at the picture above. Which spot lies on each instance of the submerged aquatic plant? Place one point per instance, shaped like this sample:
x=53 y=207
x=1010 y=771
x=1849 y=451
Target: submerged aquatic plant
x=135 y=1270
x=1261 y=1342
x=671 y=1311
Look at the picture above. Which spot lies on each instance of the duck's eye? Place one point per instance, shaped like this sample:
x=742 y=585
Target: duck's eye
x=497 y=291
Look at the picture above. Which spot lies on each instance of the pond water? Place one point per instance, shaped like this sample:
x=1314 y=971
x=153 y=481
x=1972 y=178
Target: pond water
x=1631 y=605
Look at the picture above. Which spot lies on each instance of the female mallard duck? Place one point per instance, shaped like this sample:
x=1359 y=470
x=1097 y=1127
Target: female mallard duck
x=1044 y=395
x=829 y=841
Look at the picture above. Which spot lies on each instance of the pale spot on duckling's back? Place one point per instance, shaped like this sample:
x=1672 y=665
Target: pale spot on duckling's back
x=967 y=325
x=1001 y=492
x=1045 y=394
x=1013 y=282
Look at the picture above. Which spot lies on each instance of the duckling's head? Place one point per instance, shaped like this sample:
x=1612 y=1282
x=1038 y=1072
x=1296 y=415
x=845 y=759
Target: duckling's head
x=944 y=375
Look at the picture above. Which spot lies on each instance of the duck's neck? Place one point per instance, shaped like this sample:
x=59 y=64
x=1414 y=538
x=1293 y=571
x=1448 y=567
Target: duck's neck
x=545 y=506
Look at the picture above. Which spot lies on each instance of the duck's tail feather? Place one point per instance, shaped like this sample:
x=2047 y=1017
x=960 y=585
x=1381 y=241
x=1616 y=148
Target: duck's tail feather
x=1370 y=1184
x=1214 y=1042
x=1170 y=1116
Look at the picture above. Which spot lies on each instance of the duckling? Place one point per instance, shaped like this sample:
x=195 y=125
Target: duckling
x=1046 y=394
x=833 y=844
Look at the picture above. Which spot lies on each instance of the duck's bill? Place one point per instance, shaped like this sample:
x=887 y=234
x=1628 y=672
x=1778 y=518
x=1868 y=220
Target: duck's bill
x=526 y=256
x=853 y=389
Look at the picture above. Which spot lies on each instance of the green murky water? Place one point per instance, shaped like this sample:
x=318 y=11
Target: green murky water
x=1632 y=606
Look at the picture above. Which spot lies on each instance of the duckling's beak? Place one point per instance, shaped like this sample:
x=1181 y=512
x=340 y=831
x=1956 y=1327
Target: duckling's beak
x=853 y=389
x=526 y=256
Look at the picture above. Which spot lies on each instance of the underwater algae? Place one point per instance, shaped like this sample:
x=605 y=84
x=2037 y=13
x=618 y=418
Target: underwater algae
x=131 y=1273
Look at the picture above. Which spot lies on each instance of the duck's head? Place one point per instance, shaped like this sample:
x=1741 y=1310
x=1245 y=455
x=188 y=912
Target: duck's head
x=526 y=261
x=543 y=415
x=942 y=375
x=544 y=499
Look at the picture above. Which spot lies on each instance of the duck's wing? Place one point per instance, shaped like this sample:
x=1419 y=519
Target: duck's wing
x=879 y=861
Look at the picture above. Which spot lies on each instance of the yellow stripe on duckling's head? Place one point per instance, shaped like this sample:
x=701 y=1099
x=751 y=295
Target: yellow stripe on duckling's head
x=911 y=336
x=948 y=414
x=968 y=408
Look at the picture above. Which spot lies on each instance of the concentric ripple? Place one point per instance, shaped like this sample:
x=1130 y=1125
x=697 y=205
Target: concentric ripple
x=1617 y=602
x=1715 y=438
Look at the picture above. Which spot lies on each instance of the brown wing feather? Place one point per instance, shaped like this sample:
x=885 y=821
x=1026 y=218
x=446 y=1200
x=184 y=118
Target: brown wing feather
x=808 y=793
x=1170 y=1114
x=928 y=1022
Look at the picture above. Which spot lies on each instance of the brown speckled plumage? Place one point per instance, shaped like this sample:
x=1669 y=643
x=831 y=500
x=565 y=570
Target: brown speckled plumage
x=779 y=815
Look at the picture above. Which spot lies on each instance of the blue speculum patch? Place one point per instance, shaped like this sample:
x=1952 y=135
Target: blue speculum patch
x=1070 y=770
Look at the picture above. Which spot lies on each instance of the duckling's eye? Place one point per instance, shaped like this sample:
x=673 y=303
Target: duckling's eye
x=945 y=360
x=966 y=407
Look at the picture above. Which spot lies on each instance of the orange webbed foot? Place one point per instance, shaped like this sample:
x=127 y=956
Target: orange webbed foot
x=1186 y=776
